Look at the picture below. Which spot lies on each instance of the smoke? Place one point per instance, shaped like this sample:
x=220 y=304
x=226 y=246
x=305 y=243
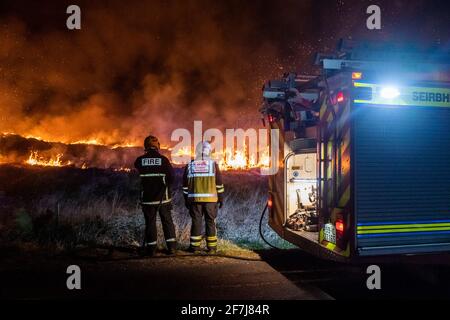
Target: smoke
x=141 y=67
x=124 y=75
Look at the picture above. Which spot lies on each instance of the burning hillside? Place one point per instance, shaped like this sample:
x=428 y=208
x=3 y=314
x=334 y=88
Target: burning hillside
x=15 y=149
x=18 y=150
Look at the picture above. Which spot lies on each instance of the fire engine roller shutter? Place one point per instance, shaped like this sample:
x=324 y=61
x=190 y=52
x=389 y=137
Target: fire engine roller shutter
x=402 y=179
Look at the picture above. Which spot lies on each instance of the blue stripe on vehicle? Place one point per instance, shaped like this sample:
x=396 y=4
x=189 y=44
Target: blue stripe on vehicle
x=377 y=235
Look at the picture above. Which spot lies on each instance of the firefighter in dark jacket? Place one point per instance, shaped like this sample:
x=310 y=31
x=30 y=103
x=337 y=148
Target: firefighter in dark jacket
x=156 y=174
x=203 y=194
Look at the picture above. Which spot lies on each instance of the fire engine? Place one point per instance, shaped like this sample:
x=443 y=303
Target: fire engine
x=364 y=153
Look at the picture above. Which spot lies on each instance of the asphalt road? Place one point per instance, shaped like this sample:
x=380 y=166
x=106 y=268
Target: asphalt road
x=280 y=275
x=31 y=275
x=413 y=277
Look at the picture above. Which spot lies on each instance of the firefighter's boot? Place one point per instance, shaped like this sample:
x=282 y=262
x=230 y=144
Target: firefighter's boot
x=171 y=247
x=149 y=250
x=196 y=242
x=211 y=243
x=193 y=249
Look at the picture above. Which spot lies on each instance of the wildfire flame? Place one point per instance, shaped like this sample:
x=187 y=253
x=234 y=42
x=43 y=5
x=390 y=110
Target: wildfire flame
x=237 y=160
x=55 y=161
x=36 y=160
x=97 y=142
x=240 y=160
x=93 y=141
x=228 y=159
x=89 y=141
x=124 y=145
x=122 y=169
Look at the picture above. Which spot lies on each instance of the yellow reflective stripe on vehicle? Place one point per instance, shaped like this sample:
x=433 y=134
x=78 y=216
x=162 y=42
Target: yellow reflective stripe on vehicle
x=346 y=140
x=156 y=202
x=408 y=96
x=323 y=109
x=333 y=247
x=330 y=117
x=345 y=197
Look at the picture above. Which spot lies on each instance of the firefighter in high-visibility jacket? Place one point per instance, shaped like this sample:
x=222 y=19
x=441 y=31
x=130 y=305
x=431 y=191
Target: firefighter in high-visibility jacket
x=156 y=174
x=203 y=193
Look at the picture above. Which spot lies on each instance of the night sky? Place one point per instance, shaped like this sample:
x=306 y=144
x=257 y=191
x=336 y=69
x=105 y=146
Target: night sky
x=139 y=67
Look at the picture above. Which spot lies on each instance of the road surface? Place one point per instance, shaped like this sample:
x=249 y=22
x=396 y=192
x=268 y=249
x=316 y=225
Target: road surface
x=31 y=275
x=280 y=275
x=408 y=277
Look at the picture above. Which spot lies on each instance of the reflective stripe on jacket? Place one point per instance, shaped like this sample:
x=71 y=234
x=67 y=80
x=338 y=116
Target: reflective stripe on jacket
x=202 y=181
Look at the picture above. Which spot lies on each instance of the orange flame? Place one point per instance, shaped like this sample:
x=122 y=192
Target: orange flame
x=240 y=160
x=237 y=160
x=89 y=141
x=36 y=160
x=122 y=169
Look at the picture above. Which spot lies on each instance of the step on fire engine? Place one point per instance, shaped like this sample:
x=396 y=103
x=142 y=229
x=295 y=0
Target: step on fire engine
x=364 y=153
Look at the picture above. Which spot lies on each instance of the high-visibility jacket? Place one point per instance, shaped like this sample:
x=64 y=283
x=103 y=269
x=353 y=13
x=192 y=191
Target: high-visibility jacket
x=156 y=174
x=202 y=181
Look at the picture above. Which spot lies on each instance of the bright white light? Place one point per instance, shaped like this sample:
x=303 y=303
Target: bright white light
x=389 y=92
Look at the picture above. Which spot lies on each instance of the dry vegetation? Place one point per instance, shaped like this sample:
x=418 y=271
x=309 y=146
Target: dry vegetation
x=67 y=207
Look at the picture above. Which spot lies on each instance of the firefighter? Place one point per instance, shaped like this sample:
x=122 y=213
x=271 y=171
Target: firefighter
x=156 y=174
x=203 y=195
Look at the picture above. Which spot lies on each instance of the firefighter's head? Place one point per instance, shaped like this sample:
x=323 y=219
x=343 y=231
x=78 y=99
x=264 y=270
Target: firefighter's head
x=203 y=150
x=151 y=142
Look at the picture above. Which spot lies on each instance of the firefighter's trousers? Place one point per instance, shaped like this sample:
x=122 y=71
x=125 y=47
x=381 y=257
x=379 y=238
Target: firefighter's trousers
x=198 y=210
x=165 y=213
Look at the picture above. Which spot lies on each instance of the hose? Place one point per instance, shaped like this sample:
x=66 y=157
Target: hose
x=261 y=232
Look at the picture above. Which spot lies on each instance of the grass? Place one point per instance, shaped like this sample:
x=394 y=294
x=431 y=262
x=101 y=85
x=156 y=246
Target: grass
x=68 y=207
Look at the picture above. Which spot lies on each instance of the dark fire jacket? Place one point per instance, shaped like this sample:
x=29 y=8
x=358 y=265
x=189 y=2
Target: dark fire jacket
x=157 y=177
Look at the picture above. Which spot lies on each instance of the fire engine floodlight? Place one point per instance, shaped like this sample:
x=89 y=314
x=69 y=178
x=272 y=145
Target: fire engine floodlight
x=389 y=92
